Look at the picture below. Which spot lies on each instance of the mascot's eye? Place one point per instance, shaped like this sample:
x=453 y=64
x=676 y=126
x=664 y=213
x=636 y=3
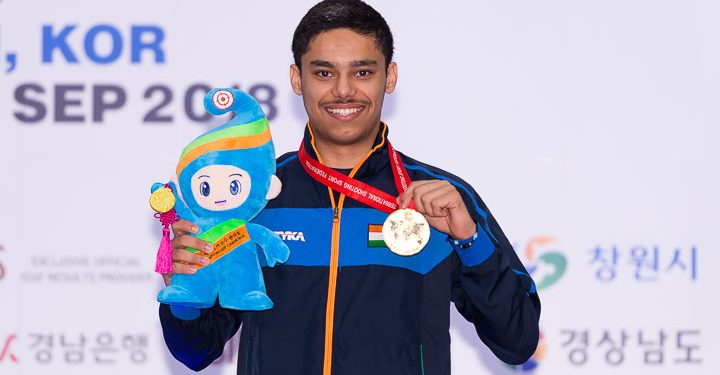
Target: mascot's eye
x=235 y=187
x=205 y=189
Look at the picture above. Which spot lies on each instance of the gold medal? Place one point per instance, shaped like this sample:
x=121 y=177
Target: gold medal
x=162 y=200
x=406 y=232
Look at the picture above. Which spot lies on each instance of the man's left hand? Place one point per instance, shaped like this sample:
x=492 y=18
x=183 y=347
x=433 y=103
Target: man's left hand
x=443 y=207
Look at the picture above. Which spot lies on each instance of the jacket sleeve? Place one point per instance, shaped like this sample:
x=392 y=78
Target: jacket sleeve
x=492 y=289
x=198 y=342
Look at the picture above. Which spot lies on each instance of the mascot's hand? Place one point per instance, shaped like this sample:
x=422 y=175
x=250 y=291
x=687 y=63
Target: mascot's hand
x=275 y=250
x=184 y=261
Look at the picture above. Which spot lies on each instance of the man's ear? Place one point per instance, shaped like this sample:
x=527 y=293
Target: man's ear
x=295 y=80
x=392 y=77
x=275 y=187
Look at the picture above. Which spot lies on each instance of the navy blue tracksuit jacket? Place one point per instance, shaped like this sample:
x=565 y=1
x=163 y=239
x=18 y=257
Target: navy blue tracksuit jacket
x=343 y=307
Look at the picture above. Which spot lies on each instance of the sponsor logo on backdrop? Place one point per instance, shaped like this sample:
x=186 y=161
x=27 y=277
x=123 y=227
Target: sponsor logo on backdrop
x=101 y=348
x=544 y=261
x=6 y=353
x=63 y=45
x=85 y=269
x=2 y=266
x=659 y=347
x=644 y=263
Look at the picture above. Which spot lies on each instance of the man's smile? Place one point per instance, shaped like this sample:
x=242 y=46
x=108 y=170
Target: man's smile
x=344 y=112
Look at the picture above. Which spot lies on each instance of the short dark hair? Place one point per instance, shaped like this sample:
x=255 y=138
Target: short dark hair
x=342 y=14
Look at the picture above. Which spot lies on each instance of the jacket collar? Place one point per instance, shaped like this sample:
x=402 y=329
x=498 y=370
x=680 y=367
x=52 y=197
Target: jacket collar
x=372 y=164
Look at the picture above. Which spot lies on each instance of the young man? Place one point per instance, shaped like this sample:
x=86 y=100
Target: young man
x=343 y=305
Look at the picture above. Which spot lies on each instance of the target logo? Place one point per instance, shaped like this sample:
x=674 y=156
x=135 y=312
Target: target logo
x=223 y=99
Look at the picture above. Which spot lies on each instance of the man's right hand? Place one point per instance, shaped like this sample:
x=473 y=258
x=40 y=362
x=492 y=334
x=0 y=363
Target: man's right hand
x=184 y=261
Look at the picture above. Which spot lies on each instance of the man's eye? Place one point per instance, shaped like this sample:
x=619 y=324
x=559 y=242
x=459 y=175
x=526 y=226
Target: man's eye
x=323 y=74
x=364 y=73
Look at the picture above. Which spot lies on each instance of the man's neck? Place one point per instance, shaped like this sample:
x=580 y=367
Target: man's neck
x=343 y=156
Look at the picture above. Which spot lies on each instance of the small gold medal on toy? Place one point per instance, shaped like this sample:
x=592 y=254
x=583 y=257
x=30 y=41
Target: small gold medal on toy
x=162 y=201
x=406 y=232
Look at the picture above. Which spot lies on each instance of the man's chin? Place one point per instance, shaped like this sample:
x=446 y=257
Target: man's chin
x=347 y=138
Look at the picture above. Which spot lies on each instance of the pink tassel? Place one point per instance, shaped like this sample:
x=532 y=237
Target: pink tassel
x=163 y=263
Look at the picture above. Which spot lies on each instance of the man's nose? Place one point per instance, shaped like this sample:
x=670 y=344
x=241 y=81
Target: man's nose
x=344 y=87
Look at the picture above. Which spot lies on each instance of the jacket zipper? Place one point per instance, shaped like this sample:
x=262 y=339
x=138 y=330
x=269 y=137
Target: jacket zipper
x=334 y=259
x=332 y=284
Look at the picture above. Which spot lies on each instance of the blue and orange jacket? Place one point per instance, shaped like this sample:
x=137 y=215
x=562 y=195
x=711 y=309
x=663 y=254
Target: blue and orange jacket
x=342 y=306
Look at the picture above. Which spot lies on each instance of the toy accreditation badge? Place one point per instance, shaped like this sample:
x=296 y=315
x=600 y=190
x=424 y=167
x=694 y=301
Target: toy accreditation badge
x=406 y=232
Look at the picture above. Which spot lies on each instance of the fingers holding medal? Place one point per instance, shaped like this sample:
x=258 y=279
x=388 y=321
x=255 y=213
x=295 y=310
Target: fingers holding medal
x=441 y=203
x=431 y=197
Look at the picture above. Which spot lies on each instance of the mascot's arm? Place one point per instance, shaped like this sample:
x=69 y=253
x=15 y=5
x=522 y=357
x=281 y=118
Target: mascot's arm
x=198 y=342
x=275 y=250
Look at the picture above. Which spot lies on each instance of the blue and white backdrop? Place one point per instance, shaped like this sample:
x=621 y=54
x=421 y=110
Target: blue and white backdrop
x=590 y=128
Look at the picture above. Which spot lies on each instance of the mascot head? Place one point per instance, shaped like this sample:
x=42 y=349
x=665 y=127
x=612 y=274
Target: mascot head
x=229 y=172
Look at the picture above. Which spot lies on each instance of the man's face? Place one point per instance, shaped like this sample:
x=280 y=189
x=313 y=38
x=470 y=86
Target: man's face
x=343 y=82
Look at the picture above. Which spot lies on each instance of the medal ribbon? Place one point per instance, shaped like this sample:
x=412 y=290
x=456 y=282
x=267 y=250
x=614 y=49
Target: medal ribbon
x=355 y=189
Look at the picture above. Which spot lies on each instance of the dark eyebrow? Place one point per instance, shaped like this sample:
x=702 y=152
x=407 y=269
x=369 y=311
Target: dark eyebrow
x=202 y=175
x=323 y=63
x=354 y=63
x=365 y=62
x=235 y=174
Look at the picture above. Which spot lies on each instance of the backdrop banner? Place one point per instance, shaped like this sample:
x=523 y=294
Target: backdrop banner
x=590 y=128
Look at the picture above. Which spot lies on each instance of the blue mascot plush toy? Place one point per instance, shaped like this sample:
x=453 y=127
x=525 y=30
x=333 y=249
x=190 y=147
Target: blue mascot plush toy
x=225 y=178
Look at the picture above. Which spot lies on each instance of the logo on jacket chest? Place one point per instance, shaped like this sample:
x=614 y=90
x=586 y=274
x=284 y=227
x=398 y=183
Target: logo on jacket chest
x=287 y=235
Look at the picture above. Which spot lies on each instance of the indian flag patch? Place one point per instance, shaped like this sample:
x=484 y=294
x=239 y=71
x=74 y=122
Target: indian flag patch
x=375 y=238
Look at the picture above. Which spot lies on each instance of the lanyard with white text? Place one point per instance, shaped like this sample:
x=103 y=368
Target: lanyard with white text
x=355 y=189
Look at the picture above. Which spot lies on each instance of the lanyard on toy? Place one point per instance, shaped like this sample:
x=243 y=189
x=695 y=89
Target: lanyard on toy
x=162 y=201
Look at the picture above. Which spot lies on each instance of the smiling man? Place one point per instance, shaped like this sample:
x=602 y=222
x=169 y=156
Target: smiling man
x=349 y=301
x=342 y=77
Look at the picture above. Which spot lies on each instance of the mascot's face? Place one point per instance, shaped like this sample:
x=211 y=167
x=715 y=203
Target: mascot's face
x=220 y=187
x=229 y=172
x=229 y=184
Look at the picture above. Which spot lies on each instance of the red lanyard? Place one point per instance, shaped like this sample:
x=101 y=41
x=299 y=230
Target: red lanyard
x=353 y=188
